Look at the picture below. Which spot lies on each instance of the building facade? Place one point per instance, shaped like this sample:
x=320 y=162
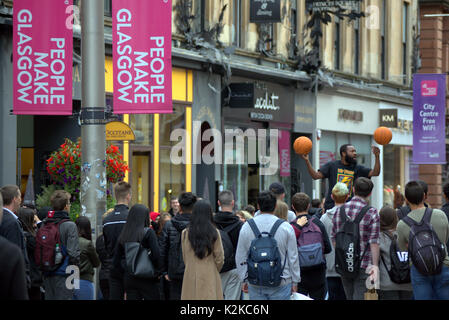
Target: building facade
x=366 y=66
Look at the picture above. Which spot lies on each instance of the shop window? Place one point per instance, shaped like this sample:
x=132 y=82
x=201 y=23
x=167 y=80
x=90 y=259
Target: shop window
x=142 y=125
x=172 y=177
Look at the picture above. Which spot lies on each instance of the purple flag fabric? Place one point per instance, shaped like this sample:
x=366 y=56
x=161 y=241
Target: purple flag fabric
x=429 y=118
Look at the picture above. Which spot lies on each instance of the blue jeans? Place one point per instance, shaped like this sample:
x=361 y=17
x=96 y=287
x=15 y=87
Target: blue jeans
x=85 y=292
x=267 y=293
x=430 y=287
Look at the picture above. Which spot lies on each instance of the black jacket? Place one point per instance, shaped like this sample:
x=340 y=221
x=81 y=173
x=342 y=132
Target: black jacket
x=150 y=242
x=170 y=243
x=112 y=227
x=229 y=223
x=11 y=229
x=35 y=273
x=106 y=261
x=12 y=272
x=226 y=219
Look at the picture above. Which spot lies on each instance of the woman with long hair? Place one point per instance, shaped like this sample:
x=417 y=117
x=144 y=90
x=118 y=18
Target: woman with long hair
x=203 y=255
x=27 y=218
x=88 y=260
x=137 y=229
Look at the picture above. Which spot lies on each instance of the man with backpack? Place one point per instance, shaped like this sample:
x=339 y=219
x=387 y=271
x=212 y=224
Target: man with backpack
x=405 y=210
x=313 y=243
x=57 y=247
x=170 y=244
x=229 y=225
x=355 y=236
x=267 y=254
x=424 y=232
x=340 y=194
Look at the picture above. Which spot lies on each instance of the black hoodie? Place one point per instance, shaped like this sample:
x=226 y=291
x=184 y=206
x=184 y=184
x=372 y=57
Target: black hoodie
x=224 y=220
x=170 y=245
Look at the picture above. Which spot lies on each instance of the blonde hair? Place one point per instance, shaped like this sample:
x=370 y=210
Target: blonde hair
x=340 y=191
x=281 y=210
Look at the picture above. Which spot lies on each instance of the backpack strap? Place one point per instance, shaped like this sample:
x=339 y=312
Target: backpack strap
x=343 y=215
x=253 y=226
x=275 y=227
x=362 y=214
x=427 y=215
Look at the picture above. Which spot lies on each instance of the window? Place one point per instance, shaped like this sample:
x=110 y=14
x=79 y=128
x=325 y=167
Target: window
x=404 y=42
x=294 y=28
x=383 y=30
x=108 y=8
x=172 y=178
x=337 y=44
x=237 y=23
x=356 y=46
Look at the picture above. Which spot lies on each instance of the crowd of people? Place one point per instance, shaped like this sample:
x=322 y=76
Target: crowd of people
x=335 y=249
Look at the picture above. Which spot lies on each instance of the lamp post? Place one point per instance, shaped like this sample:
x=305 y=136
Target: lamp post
x=93 y=169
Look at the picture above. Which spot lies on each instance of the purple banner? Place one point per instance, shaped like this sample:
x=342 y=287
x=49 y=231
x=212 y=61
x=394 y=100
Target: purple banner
x=429 y=117
x=284 y=152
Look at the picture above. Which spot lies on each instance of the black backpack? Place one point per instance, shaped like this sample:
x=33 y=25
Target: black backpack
x=400 y=265
x=347 y=247
x=424 y=247
x=265 y=267
x=228 y=247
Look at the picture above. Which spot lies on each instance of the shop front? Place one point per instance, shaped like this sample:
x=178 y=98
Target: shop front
x=398 y=167
x=154 y=177
x=344 y=119
x=257 y=126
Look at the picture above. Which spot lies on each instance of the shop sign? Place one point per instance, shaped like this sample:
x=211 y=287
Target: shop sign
x=332 y=5
x=141 y=37
x=261 y=116
x=267 y=102
x=42 y=57
x=265 y=11
x=119 y=131
x=350 y=115
x=284 y=152
x=429 y=118
x=388 y=118
x=241 y=95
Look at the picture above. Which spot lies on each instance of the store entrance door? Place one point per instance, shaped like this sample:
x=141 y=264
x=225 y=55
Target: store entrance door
x=141 y=178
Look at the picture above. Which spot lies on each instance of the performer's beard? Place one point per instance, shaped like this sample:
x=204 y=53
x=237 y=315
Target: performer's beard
x=350 y=160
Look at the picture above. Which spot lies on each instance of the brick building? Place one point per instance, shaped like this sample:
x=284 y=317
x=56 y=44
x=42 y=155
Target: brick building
x=434 y=50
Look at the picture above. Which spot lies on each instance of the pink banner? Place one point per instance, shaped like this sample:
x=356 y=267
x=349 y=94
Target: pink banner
x=141 y=40
x=284 y=153
x=43 y=46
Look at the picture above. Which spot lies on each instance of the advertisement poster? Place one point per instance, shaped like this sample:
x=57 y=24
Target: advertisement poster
x=429 y=118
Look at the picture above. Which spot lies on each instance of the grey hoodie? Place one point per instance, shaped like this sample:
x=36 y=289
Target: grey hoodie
x=326 y=219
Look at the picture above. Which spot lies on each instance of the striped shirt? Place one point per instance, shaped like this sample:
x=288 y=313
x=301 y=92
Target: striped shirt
x=369 y=226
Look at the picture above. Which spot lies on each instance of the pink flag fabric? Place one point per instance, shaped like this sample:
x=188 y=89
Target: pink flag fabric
x=284 y=153
x=142 y=56
x=42 y=58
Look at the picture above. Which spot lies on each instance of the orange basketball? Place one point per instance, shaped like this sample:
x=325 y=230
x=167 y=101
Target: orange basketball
x=302 y=145
x=383 y=135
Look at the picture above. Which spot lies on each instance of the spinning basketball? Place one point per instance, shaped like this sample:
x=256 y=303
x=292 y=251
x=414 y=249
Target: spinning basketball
x=383 y=135
x=302 y=145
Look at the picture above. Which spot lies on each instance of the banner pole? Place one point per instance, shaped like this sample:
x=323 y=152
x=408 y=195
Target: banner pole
x=93 y=169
